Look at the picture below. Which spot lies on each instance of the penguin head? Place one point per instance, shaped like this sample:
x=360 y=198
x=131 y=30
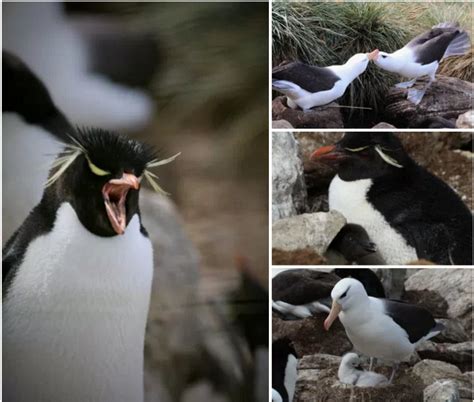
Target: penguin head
x=100 y=175
x=365 y=155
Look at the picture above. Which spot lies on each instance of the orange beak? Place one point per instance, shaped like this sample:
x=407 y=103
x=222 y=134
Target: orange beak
x=115 y=193
x=373 y=55
x=327 y=154
x=335 y=310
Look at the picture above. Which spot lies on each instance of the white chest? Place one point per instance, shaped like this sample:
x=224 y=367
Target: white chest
x=375 y=334
x=350 y=199
x=75 y=315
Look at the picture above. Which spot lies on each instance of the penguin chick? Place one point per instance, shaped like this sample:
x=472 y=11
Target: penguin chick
x=353 y=243
x=77 y=278
x=350 y=372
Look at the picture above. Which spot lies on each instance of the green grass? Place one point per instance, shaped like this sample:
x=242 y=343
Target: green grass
x=330 y=33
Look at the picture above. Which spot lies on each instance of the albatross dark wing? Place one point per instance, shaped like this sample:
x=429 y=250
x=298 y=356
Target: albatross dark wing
x=310 y=78
x=302 y=286
x=416 y=321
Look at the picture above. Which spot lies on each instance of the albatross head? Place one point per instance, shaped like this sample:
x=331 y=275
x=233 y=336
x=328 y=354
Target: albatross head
x=388 y=61
x=358 y=63
x=347 y=293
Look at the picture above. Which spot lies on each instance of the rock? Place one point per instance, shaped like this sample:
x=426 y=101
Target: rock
x=328 y=116
x=392 y=281
x=459 y=354
x=384 y=125
x=446 y=293
x=309 y=337
x=313 y=231
x=288 y=187
x=465 y=120
x=446 y=99
x=281 y=124
x=319 y=361
x=430 y=371
x=453 y=331
x=304 y=256
x=441 y=391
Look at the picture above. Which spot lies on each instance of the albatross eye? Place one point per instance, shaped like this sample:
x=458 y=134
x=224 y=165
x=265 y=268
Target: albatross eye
x=384 y=56
x=357 y=149
x=97 y=170
x=344 y=294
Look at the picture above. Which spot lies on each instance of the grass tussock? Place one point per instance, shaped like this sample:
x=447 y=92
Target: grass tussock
x=329 y=33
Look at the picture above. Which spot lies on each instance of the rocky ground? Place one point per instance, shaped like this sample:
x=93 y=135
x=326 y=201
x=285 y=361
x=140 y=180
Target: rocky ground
x=300 y=187
x=446 y=104
x=440 y=371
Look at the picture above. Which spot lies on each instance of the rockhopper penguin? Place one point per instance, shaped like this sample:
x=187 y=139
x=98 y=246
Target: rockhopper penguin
x=77 y=278
x=308 y=86
x=407 y=212
x=422 y=55
x=284 y=370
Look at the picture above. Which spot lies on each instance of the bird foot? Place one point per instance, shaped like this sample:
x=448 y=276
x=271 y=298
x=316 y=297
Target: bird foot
x=405 y=85
x=416 y=95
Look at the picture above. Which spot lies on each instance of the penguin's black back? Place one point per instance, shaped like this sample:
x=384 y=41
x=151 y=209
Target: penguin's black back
x=427 y=213
x=25 y=94
x=281 y=349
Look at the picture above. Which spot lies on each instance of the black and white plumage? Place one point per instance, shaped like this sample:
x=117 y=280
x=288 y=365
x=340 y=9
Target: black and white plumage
x=308 y=86
x=350 y=372
x=380 y=328
x=52 y=46
x=422 y=55
x=284 y=370
x=408 y=212
x=32 y=127
x=300 y=293
x=77 y=279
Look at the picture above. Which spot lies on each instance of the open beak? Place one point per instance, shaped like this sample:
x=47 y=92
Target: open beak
x=115 y=193
x=373 y=55
x=327 y=154
x=335 y=310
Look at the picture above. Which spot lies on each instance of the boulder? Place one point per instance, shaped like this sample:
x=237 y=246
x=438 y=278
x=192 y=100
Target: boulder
x=328 y=116
x=453 y=331
x=441 y=391
x=309 y=337
x=459 y=354
x=430 y=371
x=392 y=281
x=281 y=124
x=444 y=101
x=288 y=186
x=384 y=125
x=445 y=294
x=314 y=231
x=465 y=120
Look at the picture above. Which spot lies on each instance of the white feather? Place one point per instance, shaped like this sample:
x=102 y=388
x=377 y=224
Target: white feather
x=74 y=317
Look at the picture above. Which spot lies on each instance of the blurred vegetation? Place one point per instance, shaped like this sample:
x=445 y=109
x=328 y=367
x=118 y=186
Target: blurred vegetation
x=215 y=71
x=327 y=33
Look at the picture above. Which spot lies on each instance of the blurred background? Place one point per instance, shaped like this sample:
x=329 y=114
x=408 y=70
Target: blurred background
x=189 y=78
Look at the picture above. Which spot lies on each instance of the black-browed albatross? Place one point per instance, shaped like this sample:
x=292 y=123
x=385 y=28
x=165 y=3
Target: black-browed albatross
x=422 y=55
x=307 y=86
x=380 y=328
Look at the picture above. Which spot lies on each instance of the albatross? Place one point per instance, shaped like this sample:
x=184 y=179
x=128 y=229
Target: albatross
x=307 y=86
x=380 y=328
x=422 y=55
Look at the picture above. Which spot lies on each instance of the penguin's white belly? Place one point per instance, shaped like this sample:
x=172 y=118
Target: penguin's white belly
x=350 y=199
x=75 y=314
